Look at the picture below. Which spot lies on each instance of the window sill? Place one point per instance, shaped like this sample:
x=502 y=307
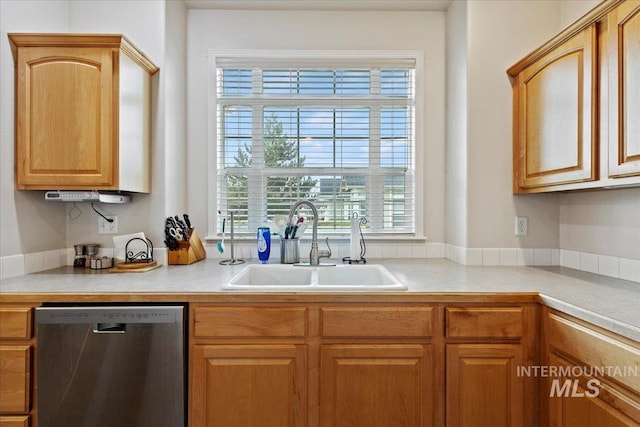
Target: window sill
x=338 y=238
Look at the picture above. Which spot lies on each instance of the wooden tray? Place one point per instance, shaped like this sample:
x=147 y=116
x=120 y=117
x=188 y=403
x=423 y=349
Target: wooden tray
x=134 y=267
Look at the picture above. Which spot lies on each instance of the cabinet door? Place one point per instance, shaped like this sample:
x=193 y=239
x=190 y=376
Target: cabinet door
x=604 y=390
x=482 y=385
x=555 y=116
x=15 y=379
x=575 y=403
x=249 y=385
x=624 y=90
x=64 y=123
x=376 y=385
x=573 y=411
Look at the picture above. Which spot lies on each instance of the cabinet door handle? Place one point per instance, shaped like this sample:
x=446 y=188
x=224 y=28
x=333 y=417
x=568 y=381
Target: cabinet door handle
x=109 y=328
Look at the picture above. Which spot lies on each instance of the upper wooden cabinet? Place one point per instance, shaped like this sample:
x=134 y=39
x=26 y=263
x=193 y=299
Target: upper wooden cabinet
x=624 y=89
x=555 y=115
x=82 y=119
x=575 y=100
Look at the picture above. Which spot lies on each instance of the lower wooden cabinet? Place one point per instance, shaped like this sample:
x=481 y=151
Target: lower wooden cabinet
x=483 y=388
x=335 y=364
x=249 y=385
x=593 y=378
x=248 y=366
x=485 y=348
x=579 y=402
x=377 y=366
x=585 y=412
x=16 y=361
x=362 y=364
x=376 y=385
x=330 y=365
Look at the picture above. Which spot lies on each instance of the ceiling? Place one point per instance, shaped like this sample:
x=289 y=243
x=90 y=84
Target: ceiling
x=327 y=5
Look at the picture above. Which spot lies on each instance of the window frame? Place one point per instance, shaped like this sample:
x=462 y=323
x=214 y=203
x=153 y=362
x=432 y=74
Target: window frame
x=319 y=57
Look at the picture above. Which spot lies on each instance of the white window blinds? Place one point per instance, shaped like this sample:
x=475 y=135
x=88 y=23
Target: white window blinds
x=337 y=131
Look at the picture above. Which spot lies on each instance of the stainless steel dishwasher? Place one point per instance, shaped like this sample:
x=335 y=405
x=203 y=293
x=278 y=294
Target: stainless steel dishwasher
x=107 y=366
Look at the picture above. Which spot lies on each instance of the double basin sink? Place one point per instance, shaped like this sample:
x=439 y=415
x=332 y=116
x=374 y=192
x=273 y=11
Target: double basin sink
x=293 y=278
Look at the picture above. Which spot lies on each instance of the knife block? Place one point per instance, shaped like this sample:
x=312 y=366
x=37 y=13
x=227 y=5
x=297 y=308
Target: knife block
x=189 y=251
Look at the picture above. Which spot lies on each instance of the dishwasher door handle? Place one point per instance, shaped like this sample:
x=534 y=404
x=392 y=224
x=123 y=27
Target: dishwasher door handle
x=109 y=328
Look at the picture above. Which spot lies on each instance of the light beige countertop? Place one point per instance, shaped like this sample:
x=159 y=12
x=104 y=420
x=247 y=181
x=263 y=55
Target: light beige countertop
x=606 y=302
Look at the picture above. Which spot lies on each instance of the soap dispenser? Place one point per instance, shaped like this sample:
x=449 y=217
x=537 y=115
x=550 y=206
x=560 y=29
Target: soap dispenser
x=264 y=244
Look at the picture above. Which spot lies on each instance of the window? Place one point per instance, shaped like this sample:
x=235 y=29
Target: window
x=334 y=130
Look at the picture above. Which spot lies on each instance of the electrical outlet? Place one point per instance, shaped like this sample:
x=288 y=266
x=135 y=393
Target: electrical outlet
x=522 y=227
x=106 y=227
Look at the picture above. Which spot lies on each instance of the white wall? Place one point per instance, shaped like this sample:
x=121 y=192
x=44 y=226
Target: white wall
x=210 y=29
x=27 y=223
x=602 y=222
x=174 y=74
x=143 y=23
x=158 y=28
x=456 y=141
x=517 y=28
x=480 y=205
x=572 y=10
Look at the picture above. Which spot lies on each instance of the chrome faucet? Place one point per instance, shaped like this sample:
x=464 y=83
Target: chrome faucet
x=315 y=254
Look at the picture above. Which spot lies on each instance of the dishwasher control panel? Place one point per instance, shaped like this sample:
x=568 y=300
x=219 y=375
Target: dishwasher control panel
x=111 y=314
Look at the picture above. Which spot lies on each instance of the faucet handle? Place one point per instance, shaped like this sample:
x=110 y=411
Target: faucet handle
x=328 y=255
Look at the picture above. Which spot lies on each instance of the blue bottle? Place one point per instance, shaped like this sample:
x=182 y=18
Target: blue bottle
x=264 y=244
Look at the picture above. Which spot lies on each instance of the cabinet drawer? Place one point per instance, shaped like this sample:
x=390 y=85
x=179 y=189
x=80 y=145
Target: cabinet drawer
x=250 y=322
x=377 y=322
x=14 y=421
x=15 y=322
x=15 y=379
x=596 y=348
x=484 y=322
